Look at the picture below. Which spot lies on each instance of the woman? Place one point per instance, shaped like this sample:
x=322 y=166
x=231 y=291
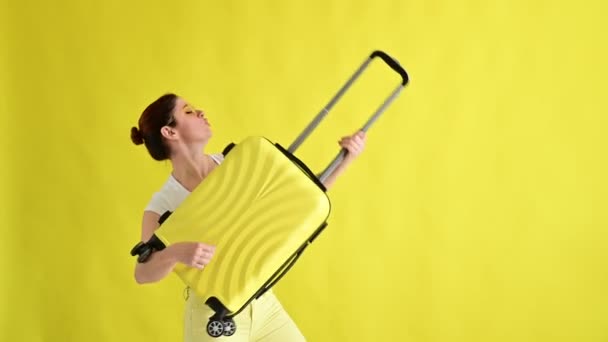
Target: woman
x=172 y=129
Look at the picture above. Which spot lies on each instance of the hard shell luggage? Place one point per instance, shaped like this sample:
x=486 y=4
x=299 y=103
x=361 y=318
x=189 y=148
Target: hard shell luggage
x=261 y=207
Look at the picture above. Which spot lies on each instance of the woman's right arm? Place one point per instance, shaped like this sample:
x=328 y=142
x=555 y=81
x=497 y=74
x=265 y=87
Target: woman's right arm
x=161 y=263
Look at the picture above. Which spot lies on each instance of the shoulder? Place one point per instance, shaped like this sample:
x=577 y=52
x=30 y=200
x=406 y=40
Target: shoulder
x=167 y=198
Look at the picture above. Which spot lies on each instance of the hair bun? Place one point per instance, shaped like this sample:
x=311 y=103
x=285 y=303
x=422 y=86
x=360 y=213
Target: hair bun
x=136 y=136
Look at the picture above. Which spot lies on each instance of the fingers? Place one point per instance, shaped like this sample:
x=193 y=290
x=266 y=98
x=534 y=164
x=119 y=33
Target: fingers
x=203 y=258
x=353 y=144
x=202 y=255
x=359 y=136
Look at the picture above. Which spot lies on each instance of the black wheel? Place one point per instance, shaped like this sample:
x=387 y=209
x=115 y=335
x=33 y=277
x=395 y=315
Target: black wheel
x=215 y=328
x=138 y=248
x=229 y=327
x=145 y=255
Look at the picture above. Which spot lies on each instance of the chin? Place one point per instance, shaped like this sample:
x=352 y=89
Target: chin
x=206 y=137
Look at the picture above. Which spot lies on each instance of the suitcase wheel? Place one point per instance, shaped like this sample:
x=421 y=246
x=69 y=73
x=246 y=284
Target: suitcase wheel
x=143 y=252
x=229 y=327
x=217 y=328
x=138 y=248
x=145 y=255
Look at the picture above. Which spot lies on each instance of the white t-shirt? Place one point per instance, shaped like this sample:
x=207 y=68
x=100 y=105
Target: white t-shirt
x=172 y=193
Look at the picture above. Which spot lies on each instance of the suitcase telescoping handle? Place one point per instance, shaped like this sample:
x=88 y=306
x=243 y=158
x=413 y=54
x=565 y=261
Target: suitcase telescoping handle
x=315 y=122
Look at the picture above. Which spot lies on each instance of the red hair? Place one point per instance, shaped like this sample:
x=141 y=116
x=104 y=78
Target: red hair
x=157 y=115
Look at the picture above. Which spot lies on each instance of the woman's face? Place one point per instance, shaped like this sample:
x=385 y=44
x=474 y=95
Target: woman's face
x=191 y=123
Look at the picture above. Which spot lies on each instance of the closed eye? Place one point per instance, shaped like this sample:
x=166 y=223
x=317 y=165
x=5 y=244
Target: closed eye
x=189 y=110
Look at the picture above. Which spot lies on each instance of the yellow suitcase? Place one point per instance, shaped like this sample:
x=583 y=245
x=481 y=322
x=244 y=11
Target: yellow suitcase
x=261 y=207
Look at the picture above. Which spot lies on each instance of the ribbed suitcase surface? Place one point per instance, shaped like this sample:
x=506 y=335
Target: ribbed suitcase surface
x=258 y=208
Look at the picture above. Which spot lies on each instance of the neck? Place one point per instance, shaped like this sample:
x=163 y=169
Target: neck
x=191 y=166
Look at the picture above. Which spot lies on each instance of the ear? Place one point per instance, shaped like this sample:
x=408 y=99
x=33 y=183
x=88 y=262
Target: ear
x=168 y=132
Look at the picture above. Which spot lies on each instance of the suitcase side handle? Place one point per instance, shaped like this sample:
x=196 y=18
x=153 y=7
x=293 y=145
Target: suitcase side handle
x=321 y=115
x=286 y=267
x=290 y=262
x=222 y=312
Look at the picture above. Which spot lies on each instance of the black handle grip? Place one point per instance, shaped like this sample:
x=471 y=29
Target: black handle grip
x=393 y=64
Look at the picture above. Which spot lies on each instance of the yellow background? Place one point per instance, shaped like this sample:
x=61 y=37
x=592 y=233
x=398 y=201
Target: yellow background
x=478 y=212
